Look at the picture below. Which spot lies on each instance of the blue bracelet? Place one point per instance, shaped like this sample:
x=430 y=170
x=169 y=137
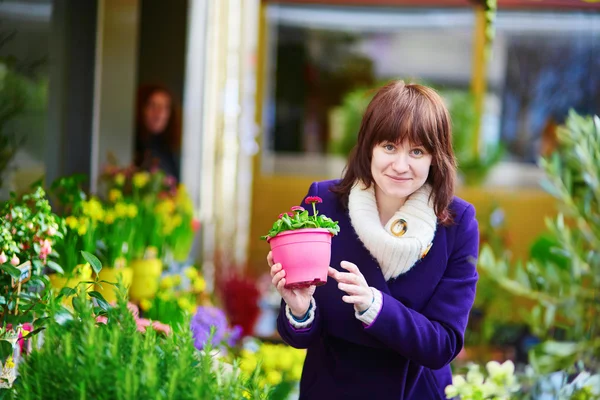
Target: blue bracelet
x=305 y=318
x=367 y=309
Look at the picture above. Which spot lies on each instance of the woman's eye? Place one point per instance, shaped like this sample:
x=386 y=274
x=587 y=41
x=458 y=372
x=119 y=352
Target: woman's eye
x=389 y=147
x=418 y=152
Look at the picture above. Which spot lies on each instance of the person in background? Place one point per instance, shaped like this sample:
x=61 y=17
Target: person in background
x=393 y=314
x=158 y=130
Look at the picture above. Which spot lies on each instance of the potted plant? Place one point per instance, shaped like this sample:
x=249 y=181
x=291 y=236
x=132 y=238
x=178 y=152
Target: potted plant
x=301 y=243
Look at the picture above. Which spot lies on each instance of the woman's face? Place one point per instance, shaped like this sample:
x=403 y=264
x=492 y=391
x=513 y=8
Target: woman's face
x=399 y=169
x=157 y=112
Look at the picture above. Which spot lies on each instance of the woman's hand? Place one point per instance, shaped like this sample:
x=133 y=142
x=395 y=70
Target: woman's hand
x=298 y=300
x=354 y=284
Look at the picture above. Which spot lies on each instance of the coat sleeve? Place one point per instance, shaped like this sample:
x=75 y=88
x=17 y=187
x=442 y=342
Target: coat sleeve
x=300 y=338
x=435 y=336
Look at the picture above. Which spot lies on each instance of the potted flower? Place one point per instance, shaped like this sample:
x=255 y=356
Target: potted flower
x=301 y=243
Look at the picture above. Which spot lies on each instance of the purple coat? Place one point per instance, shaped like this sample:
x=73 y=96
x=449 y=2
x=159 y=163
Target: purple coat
x=406 y=352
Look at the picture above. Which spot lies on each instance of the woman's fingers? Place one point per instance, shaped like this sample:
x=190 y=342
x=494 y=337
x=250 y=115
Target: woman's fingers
x=350 y=267
x=270 y=259
x=352 y=289
x=275 y=269
x=352 y=299
x=277 y=277
x=346 y=277
x=280 y=285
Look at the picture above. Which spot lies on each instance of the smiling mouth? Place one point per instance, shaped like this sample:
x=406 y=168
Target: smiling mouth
x=398 y=179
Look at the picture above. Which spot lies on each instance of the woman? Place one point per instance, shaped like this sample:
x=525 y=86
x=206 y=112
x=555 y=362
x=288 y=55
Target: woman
x=158 y=132
x=393 y=315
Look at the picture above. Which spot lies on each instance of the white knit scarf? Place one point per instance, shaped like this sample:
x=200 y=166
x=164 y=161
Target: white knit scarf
x=413 y=224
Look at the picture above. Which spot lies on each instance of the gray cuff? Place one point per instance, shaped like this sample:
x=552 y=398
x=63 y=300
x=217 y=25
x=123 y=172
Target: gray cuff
x=309 y=320
x=372 y=312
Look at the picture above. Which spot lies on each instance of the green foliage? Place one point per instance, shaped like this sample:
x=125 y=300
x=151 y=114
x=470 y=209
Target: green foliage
x=346 y=120
x=82 y=358
x=301 y=219
x=563 y=275
x=473 y=165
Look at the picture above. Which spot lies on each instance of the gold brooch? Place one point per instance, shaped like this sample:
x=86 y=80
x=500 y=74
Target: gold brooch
x=399 y=227
x=426 y=250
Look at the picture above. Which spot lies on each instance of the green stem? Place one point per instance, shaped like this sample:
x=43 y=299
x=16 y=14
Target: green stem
x=314 y=211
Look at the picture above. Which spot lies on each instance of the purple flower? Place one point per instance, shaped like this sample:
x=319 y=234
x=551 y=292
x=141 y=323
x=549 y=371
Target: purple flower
x=207 y=317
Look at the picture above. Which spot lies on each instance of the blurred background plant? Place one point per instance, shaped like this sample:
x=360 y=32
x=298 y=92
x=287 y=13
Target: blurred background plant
x=278 y=365
x=177 y=297
x=562 y=277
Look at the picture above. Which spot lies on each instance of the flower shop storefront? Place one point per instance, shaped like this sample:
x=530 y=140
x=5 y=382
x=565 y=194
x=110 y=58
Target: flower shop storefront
x=123 y=283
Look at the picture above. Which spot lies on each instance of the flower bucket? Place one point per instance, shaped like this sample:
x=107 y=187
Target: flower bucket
x=111 y=275
x=146 y=274
x=81 y=273
x=304 y=254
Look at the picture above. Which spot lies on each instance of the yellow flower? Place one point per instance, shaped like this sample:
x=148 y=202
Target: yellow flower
x=248 y=361
x=121 y=210
x=71 y=222
x=141 y=179
x=109 y=218
x=184 y=303
x=82 y=230
x=115 y=195
x=145 y=304
x=165 y=207
x=191 y=273
x=176 y=280
x=177 y=220
x=9 y=363
x=119 y=179
x=167 y=282
x=93 y=208
x=132 y=210
x=199 y=285
x=296 y=372
x=246 y=394
x=274 y=377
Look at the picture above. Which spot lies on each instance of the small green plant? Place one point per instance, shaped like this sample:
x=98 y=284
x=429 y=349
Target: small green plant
x=98 y=351
x=299 y=218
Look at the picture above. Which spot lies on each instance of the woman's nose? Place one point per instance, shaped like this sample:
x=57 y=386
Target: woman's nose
x=400 y=163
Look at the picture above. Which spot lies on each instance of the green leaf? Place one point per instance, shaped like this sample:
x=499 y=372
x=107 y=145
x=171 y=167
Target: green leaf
x=66 y=292
x=93 y=260
x=54 y=266
x=100 y=300
x=14 y=272
x=6 y=350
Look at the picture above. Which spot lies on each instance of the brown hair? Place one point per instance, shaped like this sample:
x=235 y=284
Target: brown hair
x=400 y=112
x=172 y=132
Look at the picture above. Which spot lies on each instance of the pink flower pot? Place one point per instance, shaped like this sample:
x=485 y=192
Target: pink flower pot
x=304 y=254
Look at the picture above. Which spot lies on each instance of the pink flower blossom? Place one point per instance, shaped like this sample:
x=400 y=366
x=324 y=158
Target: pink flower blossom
x=142 y=324
x=161 y=328
x=298 y=208
x=101 y=319
x=313 y=200
x=3 y=258
x=15 y=260
x=134 y=310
